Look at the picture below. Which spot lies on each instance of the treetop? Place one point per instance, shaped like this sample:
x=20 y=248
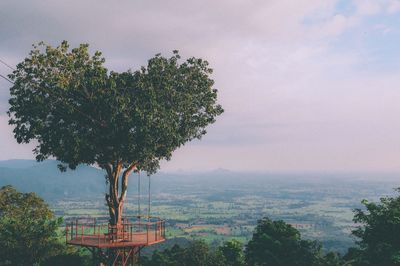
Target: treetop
x=79 y=112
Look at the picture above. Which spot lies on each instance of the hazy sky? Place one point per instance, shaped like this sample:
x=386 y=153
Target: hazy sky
x=305 y=84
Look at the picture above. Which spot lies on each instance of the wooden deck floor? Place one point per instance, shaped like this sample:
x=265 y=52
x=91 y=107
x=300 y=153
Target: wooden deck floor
x=128 y=240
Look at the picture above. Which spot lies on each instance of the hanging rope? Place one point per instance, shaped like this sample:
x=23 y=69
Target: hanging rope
x=148 y=210
x=139 y=195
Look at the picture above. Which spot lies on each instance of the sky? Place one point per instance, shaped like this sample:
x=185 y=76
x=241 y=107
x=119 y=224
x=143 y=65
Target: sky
x=307 y=85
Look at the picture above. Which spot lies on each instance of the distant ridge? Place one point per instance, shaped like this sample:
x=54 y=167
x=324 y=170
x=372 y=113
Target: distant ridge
x=45 y=179
x=18 y=163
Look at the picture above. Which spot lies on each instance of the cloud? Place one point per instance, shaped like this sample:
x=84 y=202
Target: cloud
x=368 y=7
x=8 y=145
x=296 y=78
x=394 y=7
x=384 y=29
x=374 y=7
x=338 y=25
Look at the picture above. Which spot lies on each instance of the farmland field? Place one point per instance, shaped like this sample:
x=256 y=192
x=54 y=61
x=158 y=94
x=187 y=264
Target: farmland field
x=221 y=206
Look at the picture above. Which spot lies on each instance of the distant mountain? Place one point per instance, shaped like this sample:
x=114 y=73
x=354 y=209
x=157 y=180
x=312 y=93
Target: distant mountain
x=17 y=163
x=45 y=179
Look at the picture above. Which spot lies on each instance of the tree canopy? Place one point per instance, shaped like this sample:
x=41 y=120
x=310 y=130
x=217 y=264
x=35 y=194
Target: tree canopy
x=28 y=228
x=198 y=253
x=79 y=112
x=377 y=233
x=232 y=251
x=279 y=244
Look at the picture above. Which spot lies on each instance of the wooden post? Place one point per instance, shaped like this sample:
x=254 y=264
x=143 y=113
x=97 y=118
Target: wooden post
x=133 y=257
x=155 y=231
x=66 y=234
x=138 y=255
x=94 y=257
x=123 y=256
x=147 y=228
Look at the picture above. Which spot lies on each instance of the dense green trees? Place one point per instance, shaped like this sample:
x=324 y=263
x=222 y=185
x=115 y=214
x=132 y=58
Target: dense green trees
x=232 y=251
x=277 y=243
x=68 y=259
x=28 y=228
x=29 y=233
x=334 y=259
x=198 y=253
x=80 y=113
x=274 y=243
x=378 y=233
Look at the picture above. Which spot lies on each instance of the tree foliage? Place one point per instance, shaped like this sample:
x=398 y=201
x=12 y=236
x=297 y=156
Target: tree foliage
x=279 y=244
x=232 y=251
x=334 y=259
x=68 y=259
x=378 y=233
x=80 y=113
x=198 y=253
x=28 y=228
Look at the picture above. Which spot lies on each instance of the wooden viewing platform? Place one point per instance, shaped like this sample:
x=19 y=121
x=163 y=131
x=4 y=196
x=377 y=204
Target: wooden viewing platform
x=141 y=232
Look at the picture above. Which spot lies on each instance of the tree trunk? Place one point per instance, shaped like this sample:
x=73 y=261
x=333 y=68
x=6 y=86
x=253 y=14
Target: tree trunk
x=115 y=197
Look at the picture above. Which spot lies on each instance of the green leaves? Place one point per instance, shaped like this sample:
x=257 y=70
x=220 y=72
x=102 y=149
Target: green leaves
x=232 y=251
x=197 y=253
x=78 y=112
x=278 y=243
x=378 y=230
x=28 y=228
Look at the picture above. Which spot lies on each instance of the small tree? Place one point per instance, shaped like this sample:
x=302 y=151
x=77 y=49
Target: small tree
x=334 y=259
x=279 y=244
x=28 y=228
x=233 y=252
x=79 y=113
x=378 y=233
x=197 y=253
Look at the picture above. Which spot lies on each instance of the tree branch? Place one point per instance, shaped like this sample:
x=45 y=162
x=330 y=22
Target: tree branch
x=125 y=176
x=108 y=167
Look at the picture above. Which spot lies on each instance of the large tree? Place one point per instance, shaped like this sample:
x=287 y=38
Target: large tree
x=78 y=112
x=28 y=228
x=378 y=233
x=279 y=244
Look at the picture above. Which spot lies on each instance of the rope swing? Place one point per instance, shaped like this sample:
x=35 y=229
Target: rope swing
x=139 y=195
x=139 y=198
x=148 y=210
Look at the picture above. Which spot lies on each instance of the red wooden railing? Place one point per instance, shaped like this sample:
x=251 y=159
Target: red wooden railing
x=135 y=230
